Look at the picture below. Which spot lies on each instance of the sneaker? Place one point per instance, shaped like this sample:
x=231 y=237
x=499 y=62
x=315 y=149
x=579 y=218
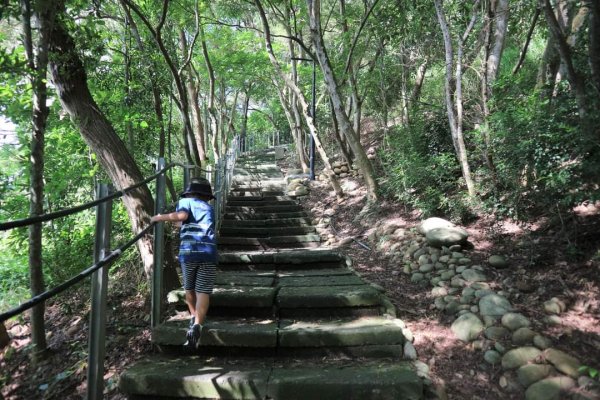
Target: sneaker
x=192 y=322
x=193 y=336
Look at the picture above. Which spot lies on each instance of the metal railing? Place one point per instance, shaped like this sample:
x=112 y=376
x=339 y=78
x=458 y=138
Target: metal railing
x=104 y=257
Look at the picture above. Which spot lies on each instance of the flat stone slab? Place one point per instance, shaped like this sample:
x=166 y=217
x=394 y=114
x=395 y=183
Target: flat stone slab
x=266 y=231
x=382 y=381
x=323 y=280
x=325 y=296
x=229 y=333
x=234 y=279
x=317 y=272
x=243 y=215
x=277 y=222
x=240 y=296
x=263 y=209
x=191 y=377
x=287 y=257
x=357 y=332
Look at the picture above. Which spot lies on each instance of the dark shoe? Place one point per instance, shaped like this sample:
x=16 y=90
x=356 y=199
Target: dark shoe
x=192 y=321
x=193 y=336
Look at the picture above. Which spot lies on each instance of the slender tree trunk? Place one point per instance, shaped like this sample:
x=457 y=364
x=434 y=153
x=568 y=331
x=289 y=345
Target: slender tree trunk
x=364 y=164
x=38 y=65
x=523 y=54
x=212 y=112
x=500 y=18
x=453 y=90
x=346 y=155
x=305 y=109
x=299 y=144
x=191 y=147
x=70 y=81
x=192 y=94
x=565 y=54
x=594 y=45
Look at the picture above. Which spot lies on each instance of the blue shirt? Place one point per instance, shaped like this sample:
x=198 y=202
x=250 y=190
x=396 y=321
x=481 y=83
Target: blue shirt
x=198 y=237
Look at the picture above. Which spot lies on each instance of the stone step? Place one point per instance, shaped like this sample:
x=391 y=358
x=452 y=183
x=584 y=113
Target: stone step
x=265 y=232
x=256 y=223
x=263 y=215
x=161 y=377
x=262 y=187
x=285 y=260
x=272 y=242
x=257 y=192
x=259 y=178
x=348 y=297
x=375 y=335
x=273 y=209
x=240 y=202
x=250 y=198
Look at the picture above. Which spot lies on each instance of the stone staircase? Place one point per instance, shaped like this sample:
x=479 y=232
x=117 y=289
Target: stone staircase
x=288 y=319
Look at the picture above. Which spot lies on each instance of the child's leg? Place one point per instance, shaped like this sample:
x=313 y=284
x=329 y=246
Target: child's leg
x=205 y=280
x=190 y=299
x=190 y=271
x=202 y=303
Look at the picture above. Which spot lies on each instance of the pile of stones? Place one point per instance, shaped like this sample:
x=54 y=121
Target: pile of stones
x=342 y=170
x=297 y=183
x=435 y=254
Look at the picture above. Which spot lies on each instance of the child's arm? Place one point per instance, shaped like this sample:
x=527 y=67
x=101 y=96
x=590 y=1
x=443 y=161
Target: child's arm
x=177 y=216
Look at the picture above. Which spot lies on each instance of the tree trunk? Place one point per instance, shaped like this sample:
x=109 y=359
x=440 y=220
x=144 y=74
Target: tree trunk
x=500 y=18
x=38 y=65
x=453 y=90
x=289 y=114
x=192 y=94
x=364 y=164
x=70 y=80
x=212 y=112
x=565 y=54
x=190 y=145
x=594 y=45
x=305 y=109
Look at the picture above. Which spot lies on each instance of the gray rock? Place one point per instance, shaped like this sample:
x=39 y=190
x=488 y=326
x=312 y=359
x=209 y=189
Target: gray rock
x=484 y=292
x=426 y=268
x=480 y=285
x=440 y=304
x=458 y=282
x=464 y=261
x=553 y=320
x=468 y=291
x=452 y=307
x=466 y=299
x=444 y=259
x=523 y=336
x=472 y=275
x=460 y=269
x=439 y=291
x=541 y=342
x=520 y=356
x=433 y=223
x=499 y=347
x=563 y=362
x=474 y=309
x=410 y=353
x=494 y=305
x=554 y=306
x=492 y=357
x=467 y=327
x=498 y=262
x=496 y=333
x=488 y=320
x=455 y=247
x=550 y=388
x=514 y=321
x=423 y=259
x=457 y=255
x=531 y=373
x=417 y=277
x=445 y=236
x=447 y=275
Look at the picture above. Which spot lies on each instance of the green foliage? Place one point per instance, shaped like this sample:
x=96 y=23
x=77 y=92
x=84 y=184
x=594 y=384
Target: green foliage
x=422 y=171
x=590 y=371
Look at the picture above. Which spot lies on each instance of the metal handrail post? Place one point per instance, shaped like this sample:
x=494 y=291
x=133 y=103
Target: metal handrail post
x=97 y=339
x=159 y=236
